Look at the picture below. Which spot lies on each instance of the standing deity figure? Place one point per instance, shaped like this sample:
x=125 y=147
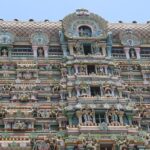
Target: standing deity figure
x=40 y=52
x=132 y=53
x=19 y=125
x=4 y=52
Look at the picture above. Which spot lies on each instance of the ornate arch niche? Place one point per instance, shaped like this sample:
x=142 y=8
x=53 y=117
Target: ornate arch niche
x=39 y=39
x=129 y=38
x=6 y=41
x=6 y=38
x=82 y=23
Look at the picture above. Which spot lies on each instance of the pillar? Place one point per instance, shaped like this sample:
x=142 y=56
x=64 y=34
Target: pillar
x=130 y=119
x=89 y=90
x=104 y=51
x=126 y=50
x=109 y=48
x=79 y=115
x=137 y=50
x=101 y=89
x=76 y=69
x=64 y=48
x=107 y=120
x=45 y=51
x=9 y=52
x=121 y=118
x=120 y=93
x=71 y=48
x=78 y=91
x=69 y=92
x=34 y=48
x=113 y=94
x=69 y=70
x=94 y=120
x=106 y=71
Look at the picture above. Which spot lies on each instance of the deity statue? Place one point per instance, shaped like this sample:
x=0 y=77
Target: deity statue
x=20 y=125
x=132 y=53
x=40 y=52
x=87 y=116
x=83 y=92
x=27 y=75
x=4 y=52
x=108 y=92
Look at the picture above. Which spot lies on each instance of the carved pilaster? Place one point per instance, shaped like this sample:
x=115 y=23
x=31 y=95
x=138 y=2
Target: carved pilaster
x=138 y=52
x=34 y=48
x=126 y=50
x=64 y=48
x=79 y=115
x=45 y=51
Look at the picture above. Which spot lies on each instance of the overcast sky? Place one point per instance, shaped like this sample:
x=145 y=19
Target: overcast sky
x=111 y=10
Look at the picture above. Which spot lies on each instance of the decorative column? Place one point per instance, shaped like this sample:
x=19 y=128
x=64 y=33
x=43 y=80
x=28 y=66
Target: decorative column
x=76 y=69
x=130 y=119
x=71 y=48
x=69 y=93
x=79 y=115
x=106 y=71
x=45 y=51
x=89 y=90
x=70 y=118
x=126 y=50
x=69 y=70
x=9 y=52
x=101 y=89
x=64 y=48
x=112 y=92
x=120 y=93
x=104 y=50
x=107 y=120
x=137 y=50
x=94 y=120
x=121 y=117
x=78 y=91
x=34 y=48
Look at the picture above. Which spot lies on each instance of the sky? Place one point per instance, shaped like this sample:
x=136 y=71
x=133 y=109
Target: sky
x=54 y=10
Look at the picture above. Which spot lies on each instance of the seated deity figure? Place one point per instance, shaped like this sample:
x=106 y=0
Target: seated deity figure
x=19 y=125
x=83 y=92
x=87 y=116
x=108 y=92
x=28 y=75
x=40 y=52
x=4 y=52
x=132 y=53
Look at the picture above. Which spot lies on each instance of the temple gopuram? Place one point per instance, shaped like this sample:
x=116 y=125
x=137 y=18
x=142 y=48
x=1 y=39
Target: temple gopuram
x=81 y=83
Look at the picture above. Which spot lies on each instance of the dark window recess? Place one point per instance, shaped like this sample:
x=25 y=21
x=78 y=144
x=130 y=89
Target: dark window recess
x=90 y=69
x=22 y=51
x=55 y=50
x=117 y=50
x=145 y=51
x=95 y=91
x=87 y=49
x=106 y=146
x=100 y=118
x=85 y=31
